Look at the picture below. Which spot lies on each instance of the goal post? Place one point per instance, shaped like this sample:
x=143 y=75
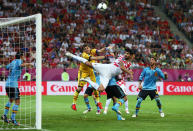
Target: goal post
x=38 y=71
x=38 y=62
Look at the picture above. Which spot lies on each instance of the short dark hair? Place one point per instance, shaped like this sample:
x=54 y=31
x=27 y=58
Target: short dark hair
x=18 y=55
x=128 y=50
x=85 y=45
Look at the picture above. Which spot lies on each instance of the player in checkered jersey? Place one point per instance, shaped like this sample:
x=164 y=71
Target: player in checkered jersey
x=106 y=71
x=121 y=78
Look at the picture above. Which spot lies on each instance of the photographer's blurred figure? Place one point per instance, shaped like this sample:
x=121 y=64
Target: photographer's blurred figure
x=65 y=76
x=27 y=76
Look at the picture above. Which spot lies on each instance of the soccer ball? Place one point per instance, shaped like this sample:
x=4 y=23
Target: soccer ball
x=102 y=6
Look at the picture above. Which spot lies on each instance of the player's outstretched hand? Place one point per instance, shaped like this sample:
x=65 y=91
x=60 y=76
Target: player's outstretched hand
x=166 y=75
x=110 y=48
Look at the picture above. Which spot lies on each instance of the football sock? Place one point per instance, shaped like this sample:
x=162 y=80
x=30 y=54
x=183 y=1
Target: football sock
x=97 y=105
x=76 y=93
x=87 y=103
x=7 y=106
x=14 y=111
x=108 y=101
x=120 y=102
x=126 y=105
x=96 y=93
x=139 y=100
x=158 y=104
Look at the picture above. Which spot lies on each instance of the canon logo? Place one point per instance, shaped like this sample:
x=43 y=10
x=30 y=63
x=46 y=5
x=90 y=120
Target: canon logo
x=133 y=88
x=1 y=89
x=57 y=88
x=28 y=88
x=173 y=88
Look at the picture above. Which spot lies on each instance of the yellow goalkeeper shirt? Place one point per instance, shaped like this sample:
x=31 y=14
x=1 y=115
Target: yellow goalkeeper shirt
x=83 y=67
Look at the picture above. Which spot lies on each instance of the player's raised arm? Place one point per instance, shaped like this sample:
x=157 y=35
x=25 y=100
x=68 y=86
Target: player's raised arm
x=26 y=65
x=105 y=49
x=130 y=72
x=97 y=57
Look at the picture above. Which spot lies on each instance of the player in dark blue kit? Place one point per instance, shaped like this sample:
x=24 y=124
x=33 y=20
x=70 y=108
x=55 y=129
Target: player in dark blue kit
x=151 y=75
x=15 y=68
x=89 y=91
x=114 y=91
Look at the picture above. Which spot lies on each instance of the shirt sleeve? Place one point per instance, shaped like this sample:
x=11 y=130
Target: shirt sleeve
x=142 y=74
x=93 y=52
x=9 y=65
x=160 y=73
x=20 y=62
x=86 y=56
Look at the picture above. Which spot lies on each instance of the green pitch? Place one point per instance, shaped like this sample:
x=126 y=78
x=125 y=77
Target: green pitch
x=57 y=115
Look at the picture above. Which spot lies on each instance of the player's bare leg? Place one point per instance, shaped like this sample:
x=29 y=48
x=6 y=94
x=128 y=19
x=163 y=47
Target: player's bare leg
x=78 y=58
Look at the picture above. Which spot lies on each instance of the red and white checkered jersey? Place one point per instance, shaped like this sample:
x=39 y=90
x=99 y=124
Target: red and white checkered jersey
x=121 y=82
x=122 y=59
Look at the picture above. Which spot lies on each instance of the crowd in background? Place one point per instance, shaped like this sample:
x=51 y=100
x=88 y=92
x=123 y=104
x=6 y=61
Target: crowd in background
x=69 y=24
x=181 y=12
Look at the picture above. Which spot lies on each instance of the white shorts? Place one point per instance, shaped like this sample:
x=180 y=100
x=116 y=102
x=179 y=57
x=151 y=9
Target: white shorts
x=106 y=72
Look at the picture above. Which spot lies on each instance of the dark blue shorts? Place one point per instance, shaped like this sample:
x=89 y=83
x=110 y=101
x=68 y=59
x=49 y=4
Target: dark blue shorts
x=89 y=91
x=114 y=91
x=13 y=93
x=151 y=93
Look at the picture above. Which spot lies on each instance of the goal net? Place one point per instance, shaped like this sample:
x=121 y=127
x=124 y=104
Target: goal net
x=21 y=35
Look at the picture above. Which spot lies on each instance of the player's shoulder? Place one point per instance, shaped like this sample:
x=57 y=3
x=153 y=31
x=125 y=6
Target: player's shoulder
x=157 y=69
x=19 y=61
x=84 y=54
x=93 y=51
x=146 y=68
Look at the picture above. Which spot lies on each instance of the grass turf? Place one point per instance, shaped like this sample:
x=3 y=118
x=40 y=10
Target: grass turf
x=57 y=115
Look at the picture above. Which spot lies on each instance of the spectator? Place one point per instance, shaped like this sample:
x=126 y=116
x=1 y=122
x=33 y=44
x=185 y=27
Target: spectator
x=187 y=77
x=65 y=76
x=180 y=78
x=68 y=25
x=27 y=76
x=2 y=76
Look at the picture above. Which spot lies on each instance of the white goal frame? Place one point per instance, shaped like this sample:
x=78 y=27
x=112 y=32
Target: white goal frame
x=38 y=21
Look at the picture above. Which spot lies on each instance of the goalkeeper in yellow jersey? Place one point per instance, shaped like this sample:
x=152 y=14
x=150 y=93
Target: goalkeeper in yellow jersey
x=86 y=71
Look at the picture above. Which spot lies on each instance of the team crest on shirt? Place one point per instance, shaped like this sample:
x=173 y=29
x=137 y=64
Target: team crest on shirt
x=155 y=74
